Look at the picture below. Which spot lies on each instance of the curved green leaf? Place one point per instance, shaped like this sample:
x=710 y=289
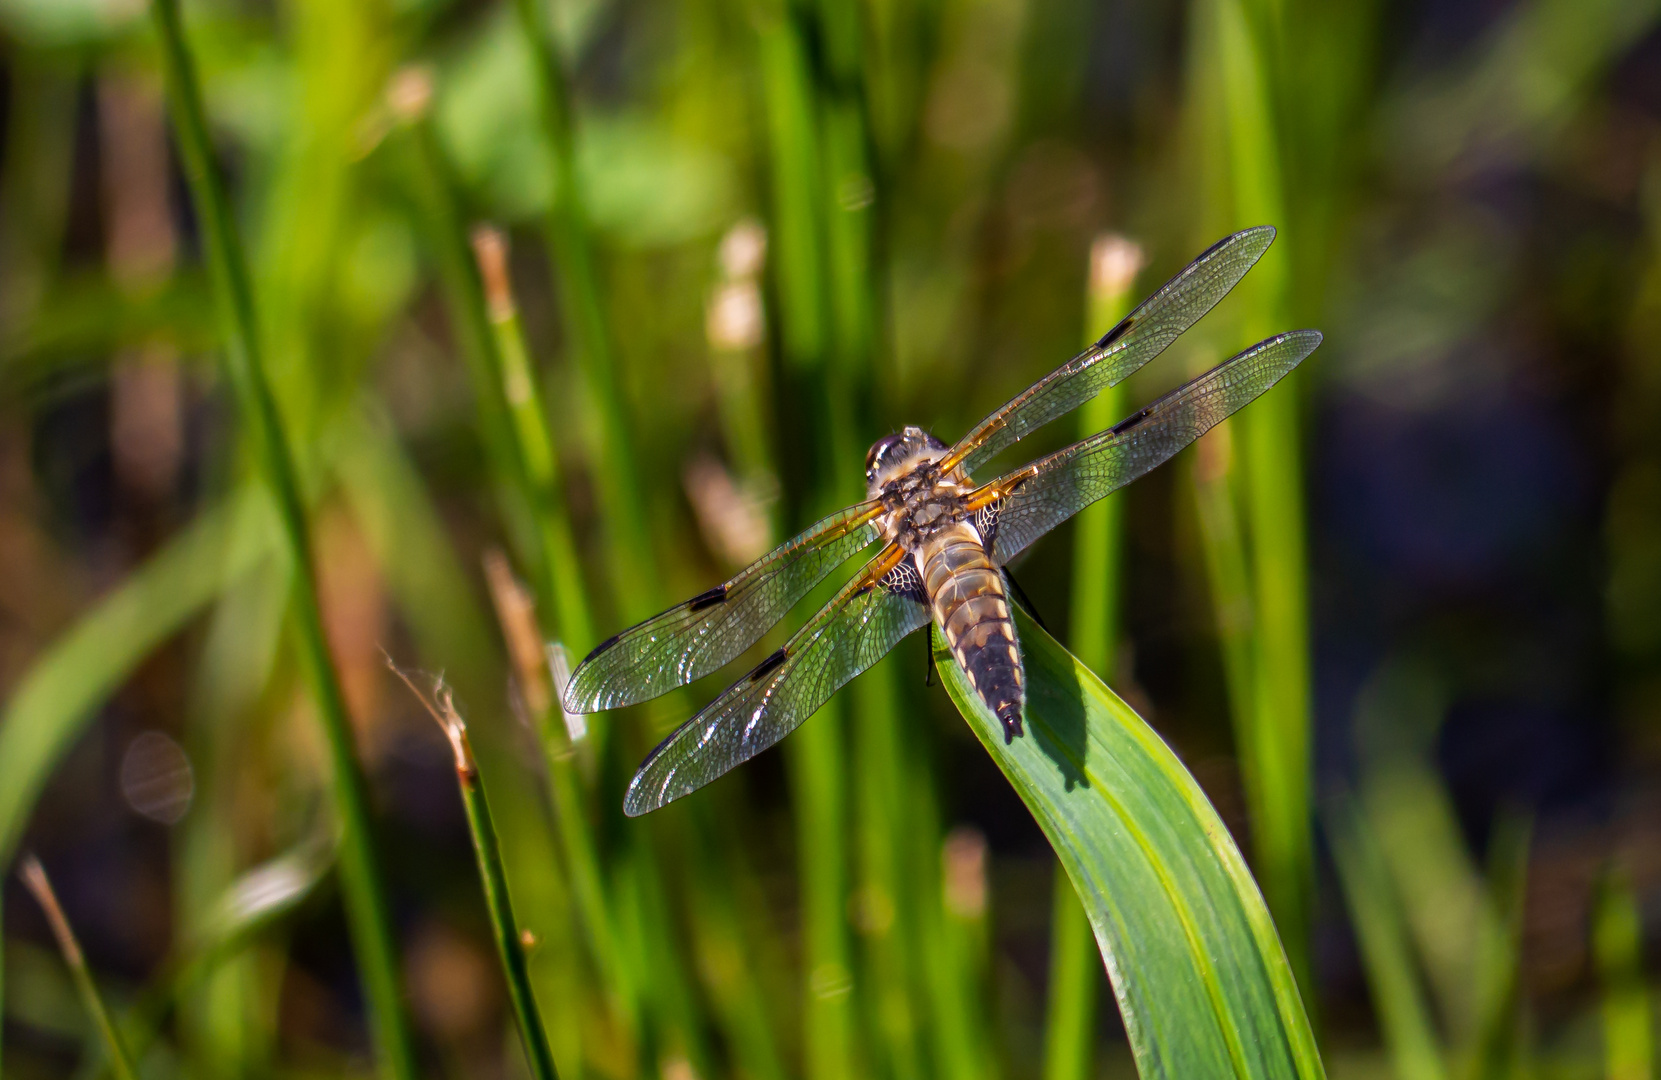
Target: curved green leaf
x=1198 y=970
x=71 y=680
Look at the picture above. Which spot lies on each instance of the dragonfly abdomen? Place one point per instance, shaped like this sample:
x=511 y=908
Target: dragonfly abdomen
x=967 y=595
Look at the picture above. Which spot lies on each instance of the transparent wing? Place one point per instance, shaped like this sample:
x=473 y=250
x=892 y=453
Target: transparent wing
x=699 y=635
x=1139 y=337
x=852 y=632
x=1029 y=502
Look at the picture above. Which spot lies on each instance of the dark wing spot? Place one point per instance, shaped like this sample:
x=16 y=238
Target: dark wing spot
x=762 y=669
x=1202 y=256
x=1128 y=422
x=717 y=595
x=602 y=647
x=1124 y=327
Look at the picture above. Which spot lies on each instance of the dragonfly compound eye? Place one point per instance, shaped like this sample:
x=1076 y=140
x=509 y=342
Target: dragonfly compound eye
x=876 y=457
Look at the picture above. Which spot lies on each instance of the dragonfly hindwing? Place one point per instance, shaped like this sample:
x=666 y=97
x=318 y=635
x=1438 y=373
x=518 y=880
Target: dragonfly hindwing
x=903 y=580
x=986 y=523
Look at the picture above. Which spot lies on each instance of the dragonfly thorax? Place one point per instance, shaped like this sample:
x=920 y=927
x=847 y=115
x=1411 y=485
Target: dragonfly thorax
x=918 y=500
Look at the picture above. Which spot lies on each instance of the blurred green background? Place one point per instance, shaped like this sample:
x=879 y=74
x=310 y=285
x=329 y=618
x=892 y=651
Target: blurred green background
x=1402 y=618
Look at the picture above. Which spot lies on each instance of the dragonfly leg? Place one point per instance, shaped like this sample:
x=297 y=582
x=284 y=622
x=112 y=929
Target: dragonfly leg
x=928 y=649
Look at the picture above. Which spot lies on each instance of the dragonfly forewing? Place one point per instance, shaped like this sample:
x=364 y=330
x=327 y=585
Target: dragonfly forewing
x=705 y=633
x=1139 y=337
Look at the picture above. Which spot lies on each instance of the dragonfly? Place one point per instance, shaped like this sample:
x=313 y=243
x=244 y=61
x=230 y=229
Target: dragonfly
x=946 y=540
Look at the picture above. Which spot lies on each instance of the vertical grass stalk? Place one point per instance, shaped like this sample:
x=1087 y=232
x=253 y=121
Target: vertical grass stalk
x=535 y=442
x=819 y=784
x=34 y=876
x=633 y=568
x=964 y=955
x=1273 y=733
x=526 y=474
x=816 y=260
x=634 y=573
x=724 y=938
x=890 y=884
x=433 y=190
x=736 y=329
x=1399 y=998
x=529 y=500
x=1075 y=964
x=1617 y=948
x=515 y=610
x=793 y=159
x=362 y=888
x=511 y=942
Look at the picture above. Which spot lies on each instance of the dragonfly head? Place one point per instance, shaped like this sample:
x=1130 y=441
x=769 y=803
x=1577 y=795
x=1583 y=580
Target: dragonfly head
x=893 y=456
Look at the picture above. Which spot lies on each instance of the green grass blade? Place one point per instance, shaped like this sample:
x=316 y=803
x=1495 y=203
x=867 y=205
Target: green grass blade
x=563 y=594
x=68 y=683
x=1386 y=947
x=1240 y=46
x=582 y=304
x=1447 y=910
x=891 y=881
x=431 y=189
x=1617 y=947
x=510 y=945
x=726 y=939
x=34 y=876
x=793 y=160
x=957 y=1024
x=218 y=1019
x=1502 y=1046
x=1069 y=1035
x=364 y=892
x=964 y=954
x=1201 y=979
x=523 y=465
x=1070 y=1012
x=819 y=784
x=250 y=904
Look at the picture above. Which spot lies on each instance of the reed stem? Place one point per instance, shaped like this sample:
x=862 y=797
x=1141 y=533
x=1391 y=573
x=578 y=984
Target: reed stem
x=433 y=189
x=1618 y=947
x=1075 y=963
x=820 y=320
x=819 y=785
x=633 y=570
x=516 y=612
x=362 y=886
x=511 y=940
x=34 y=876
x=1404 y=1013
x=535 y=442
x=1273 y=733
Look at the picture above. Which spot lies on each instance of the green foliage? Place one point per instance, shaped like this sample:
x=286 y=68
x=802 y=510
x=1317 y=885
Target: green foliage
x=67 y=685
x=1197 y=968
